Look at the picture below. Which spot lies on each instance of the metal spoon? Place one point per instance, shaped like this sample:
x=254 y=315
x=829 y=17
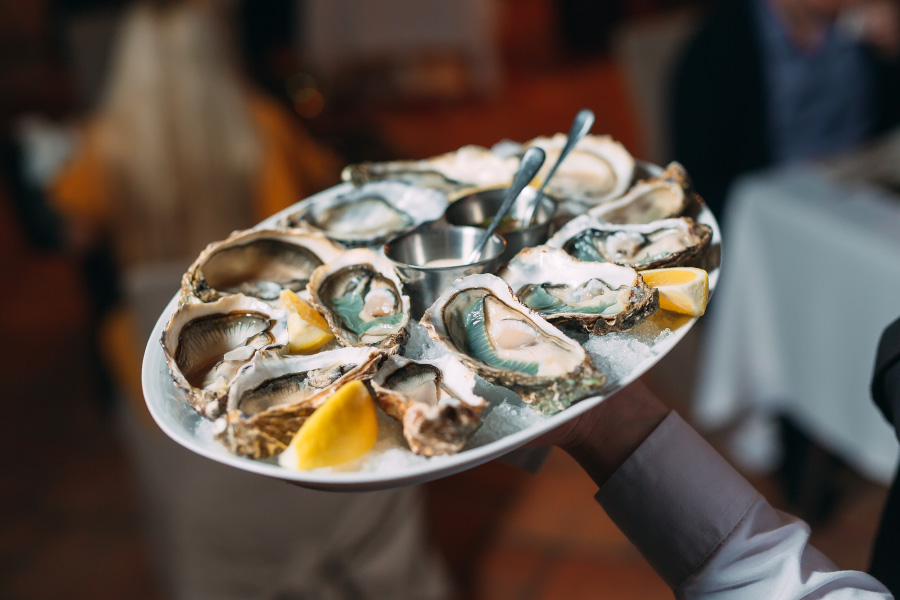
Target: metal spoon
x=531 y=163
x=580 y=126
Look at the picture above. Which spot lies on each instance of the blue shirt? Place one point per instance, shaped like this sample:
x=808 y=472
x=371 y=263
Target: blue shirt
x=819 y=98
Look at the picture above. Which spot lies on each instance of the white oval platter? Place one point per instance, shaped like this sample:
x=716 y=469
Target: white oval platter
x=178 y=420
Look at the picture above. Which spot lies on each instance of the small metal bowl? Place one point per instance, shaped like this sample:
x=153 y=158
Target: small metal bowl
x=411 y=254
x=479 y=207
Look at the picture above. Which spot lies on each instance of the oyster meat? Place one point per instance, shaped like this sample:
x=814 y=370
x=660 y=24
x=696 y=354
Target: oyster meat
x=206 y=344
x=272 y=396
x=370 y=214
x=665 y=243
x=468 y=167
x=433 y=399
x=480 y=322
x=660 y=197
x=362 y=299
x=597 y=169
x=599 y=297
x=259 y=263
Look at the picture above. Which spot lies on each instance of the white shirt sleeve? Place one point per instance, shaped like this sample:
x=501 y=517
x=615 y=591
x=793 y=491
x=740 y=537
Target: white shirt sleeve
x=709 y=534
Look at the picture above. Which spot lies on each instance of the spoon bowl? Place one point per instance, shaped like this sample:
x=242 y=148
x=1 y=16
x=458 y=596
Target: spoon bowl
x=531 y=163
x=476 y=209
x=429 y=260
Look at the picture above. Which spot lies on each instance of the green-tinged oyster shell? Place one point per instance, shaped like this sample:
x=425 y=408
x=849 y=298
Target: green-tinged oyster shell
x=480 y=321
x=597 y=296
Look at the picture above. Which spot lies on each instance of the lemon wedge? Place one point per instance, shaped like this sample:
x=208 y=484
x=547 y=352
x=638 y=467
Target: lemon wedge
x=307 y=330
x=683 y=290
x=341 y=430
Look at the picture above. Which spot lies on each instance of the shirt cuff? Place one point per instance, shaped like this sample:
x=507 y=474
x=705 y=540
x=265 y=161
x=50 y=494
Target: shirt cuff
x=676 y=499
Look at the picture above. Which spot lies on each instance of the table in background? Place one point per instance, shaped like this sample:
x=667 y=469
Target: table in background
x=811 y=277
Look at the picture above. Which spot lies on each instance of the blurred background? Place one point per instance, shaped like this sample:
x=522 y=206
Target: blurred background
x=392 y=79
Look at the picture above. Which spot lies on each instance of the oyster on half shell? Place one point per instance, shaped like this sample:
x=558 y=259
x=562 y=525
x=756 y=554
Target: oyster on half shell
x=259 y=263
x=480 y=322
x=597 y=169
x=362 y=299
x=660 y=197
x=665 y=243
x=273 y=396
x=206 y=344
x=600 y=297
x=371 y=213
x=433 y=399
x=468 y=167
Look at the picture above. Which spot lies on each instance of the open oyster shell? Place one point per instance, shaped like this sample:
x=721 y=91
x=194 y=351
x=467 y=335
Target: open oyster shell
x=259 y=263
x=597 y=169
x=480 y=322
x=599 y=297
x=660 y=197
x=206 y=344
x=433 y=399
x=453 y=172
x=362 y=299
x=665 y=243
x=272 y=396
x=371 y=213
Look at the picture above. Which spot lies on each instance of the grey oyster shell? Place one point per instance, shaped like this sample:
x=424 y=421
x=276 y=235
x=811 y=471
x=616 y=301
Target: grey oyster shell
x=597 y=170
x=433 y=400
x=479 y=320
x=661 y=197
x=259 y=263
x=361 y=297
x=665 y=243
x=369 y=215
x=206 y=344
x=454 y=172
x=272 y=396
x=599 y=297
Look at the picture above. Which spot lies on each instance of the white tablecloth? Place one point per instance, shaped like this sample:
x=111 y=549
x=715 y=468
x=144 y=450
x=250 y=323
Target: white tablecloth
x=811 y=276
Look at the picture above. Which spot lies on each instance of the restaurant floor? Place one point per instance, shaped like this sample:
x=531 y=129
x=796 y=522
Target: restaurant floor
x=70 y=525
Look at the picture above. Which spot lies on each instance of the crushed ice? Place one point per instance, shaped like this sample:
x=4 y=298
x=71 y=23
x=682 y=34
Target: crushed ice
x=615 y=354
x=504 y=419
x=420 y=346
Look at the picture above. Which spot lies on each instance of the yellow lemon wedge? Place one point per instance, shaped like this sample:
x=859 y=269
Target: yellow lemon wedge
x=307 y=330
x=683 y=290
x=341 y=430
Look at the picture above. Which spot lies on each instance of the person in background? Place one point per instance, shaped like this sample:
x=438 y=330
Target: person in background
x=886 y=393
x=769 y=82
x=180 y=152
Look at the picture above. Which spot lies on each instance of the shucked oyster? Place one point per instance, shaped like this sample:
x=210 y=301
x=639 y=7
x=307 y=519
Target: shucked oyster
x=597 y=170
x=433 y=399
x=362 y=299
x=370 y=214
x=272 y=396
x=259 y=263
x=660 y=197
x=600 y=297
x=480 y=321
x=206 y=344
x=468 y=167
x=665 y=243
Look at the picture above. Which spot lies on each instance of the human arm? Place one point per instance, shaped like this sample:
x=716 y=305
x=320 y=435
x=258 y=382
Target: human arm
x=703 y=527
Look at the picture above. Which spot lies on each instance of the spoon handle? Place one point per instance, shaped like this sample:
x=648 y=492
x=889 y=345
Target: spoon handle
x=583 y=122
x=531 y=163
